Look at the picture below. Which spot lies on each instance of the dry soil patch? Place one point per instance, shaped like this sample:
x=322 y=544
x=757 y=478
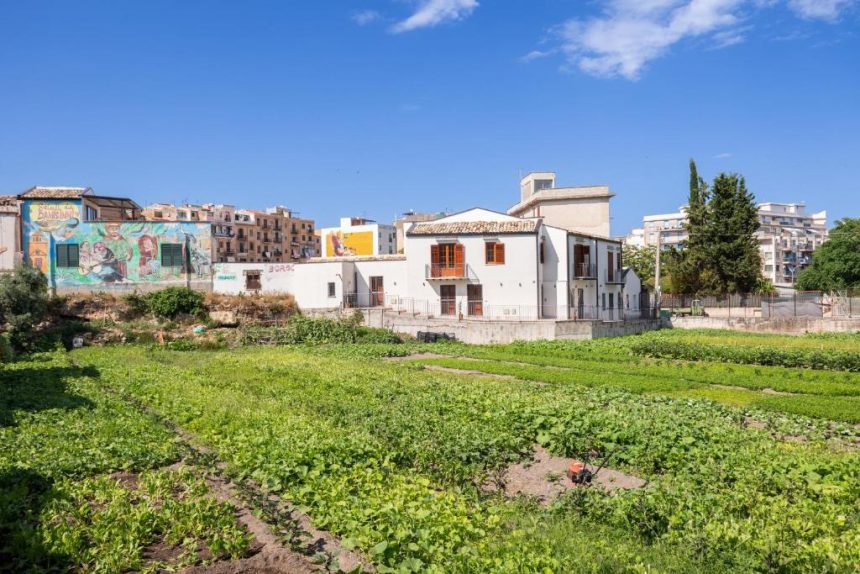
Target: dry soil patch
x=545 y=478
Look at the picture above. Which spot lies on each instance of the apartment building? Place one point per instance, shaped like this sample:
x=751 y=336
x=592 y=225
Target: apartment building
x=787 y=237
x=584 y=208
x=358 y=236
x=275 y=235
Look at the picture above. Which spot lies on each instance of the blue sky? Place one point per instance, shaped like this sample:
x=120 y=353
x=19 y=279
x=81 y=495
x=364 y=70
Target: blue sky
x=375 y=107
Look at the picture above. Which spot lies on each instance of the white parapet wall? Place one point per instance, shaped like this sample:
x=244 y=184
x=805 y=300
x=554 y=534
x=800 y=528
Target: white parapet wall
x=318 y=283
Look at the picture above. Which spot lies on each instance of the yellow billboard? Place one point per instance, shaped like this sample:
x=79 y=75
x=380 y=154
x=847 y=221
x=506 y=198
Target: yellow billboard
x=338 y=243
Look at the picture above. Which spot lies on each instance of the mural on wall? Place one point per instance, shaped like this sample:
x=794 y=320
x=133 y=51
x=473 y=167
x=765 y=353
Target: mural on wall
x=131 y=252
x=114 y=252
x=338 y=243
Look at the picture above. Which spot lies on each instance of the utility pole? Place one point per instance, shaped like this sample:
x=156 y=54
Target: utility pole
x=657 y=269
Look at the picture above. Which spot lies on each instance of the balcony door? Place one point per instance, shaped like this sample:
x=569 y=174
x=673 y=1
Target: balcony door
x=581 y=261
x=447 y=260
x=475 y=300
x=447 y=299
x=377 y=292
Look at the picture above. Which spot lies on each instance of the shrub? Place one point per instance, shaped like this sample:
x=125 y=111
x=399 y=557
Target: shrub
x=305 y=330
x=23 y=304
x=168 y=303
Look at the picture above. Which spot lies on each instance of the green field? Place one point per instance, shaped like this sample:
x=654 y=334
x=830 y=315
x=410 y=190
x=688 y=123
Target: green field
x=749 y=468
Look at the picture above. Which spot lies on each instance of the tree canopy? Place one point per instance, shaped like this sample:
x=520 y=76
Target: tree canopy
x=721 y=254
x=836 y=264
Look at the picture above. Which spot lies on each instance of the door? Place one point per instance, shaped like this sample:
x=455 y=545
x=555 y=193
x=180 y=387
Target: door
x=475 y=299
x=377 y=292
x=447 y=299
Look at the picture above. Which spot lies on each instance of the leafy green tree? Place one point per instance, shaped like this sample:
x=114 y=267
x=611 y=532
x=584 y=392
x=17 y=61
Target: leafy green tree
x=642 y=260
x=836 y=264
x=721 y=254
x=687 y=267
x=732 y=247
x=23 y=304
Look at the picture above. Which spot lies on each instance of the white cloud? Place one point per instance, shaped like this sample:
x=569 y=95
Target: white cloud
x=629 y=34
x=366 y=17
x=829 y=10
x=725 y=155
x=431 y=13
x=536 y=55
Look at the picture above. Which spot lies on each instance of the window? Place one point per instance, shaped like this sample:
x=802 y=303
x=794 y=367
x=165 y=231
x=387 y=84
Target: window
x=604 y=300
x=253 y=281
x=612 y=300
x=495 y=253
x=331 y=291
x=542 y=249
x=171 y=255
x=92 y=214
x=68 y=255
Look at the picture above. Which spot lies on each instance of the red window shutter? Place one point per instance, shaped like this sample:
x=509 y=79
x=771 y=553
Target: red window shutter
x=434 y=254
x=500 y=253
x=459 y=255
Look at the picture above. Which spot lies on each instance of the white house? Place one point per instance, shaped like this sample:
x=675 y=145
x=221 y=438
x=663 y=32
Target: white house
x=480 y=263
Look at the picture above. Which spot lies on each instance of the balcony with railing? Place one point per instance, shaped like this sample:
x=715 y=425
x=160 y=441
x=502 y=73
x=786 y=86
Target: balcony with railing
x=436 y=271
x=584 y=271
x=615 y=276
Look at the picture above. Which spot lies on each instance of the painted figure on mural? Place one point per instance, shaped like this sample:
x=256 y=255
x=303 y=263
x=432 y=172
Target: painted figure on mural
x=199 y=257
x=119 y=246
x=148 y=264
x=107 y=266
x=86 y=259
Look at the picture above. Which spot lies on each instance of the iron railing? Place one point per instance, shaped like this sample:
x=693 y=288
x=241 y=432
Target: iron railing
x=613 y=275
x=584 y=271
x=436 y=271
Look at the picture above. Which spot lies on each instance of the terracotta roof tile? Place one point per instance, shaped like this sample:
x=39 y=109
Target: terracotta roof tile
x=55 y=192
x=475 y=227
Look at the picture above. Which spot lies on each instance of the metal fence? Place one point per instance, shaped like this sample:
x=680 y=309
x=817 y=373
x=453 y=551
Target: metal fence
x=798 y=304
x=479 y=311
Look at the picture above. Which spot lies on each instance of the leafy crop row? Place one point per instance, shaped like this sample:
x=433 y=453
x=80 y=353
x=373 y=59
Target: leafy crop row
x=389 y=458
x=60 y=436
x=663 y=347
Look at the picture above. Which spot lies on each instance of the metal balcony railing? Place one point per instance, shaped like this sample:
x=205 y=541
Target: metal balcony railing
x=613 y=275
x=584 y=271
x=436 y=271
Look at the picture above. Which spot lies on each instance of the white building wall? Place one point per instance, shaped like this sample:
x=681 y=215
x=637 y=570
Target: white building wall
x=554 y=293
x=508 y=290
x=9 y=244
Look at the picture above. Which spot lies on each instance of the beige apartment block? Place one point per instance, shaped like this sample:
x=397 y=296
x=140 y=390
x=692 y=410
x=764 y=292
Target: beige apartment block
x=275 y=235
x=582 y=209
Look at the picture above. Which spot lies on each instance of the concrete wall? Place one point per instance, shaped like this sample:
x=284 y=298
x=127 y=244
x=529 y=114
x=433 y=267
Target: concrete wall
x=781 y=325
x=586 y=215
x=486 y=332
